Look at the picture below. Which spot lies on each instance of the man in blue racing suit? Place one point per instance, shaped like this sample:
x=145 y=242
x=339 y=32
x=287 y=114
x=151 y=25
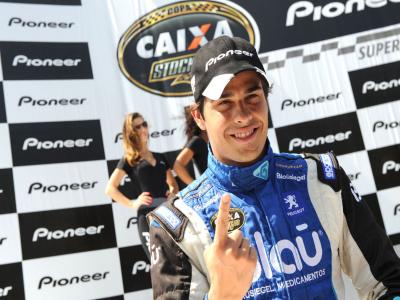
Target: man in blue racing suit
x=260 y=225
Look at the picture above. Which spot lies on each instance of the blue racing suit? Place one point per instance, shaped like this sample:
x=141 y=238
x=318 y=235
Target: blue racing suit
x=301 y=214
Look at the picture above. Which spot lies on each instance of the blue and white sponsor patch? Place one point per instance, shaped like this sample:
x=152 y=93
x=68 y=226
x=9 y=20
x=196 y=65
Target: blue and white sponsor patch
x=262 y=171
x=294 y=203
x=327 y=167
x=168 y=217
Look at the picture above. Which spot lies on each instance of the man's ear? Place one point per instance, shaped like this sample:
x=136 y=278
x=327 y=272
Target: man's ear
x=198 y=117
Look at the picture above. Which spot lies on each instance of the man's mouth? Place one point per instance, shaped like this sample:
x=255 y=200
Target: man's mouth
x=245 y=134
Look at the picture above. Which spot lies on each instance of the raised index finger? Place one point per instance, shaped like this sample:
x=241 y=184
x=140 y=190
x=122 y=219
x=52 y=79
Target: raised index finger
x=222 y=221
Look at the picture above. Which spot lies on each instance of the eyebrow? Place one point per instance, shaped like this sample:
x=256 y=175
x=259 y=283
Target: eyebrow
x=254 y=87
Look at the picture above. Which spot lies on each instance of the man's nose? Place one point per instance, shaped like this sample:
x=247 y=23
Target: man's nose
x=243 y=113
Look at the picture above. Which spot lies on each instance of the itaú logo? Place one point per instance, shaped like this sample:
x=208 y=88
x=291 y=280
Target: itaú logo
x=273 y=260
x=302 y=9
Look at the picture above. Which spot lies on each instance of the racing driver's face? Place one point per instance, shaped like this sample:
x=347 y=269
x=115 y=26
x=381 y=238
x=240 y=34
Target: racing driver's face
x=237 y=123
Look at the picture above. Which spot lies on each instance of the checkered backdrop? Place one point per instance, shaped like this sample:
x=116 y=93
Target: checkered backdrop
x=71 y=69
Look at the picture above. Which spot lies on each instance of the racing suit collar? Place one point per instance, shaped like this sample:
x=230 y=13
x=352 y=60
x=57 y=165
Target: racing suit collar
x=235 y=178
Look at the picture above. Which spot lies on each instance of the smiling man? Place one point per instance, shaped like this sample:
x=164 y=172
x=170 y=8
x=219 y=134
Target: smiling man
x=260 y=225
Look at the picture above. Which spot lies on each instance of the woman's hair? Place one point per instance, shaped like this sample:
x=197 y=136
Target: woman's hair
x=131 y=139
x=191 y=127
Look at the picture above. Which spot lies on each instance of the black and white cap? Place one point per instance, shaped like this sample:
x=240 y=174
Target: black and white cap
x=217 y=62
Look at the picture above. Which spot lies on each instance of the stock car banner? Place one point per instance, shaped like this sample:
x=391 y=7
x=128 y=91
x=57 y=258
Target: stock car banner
x=71 y=69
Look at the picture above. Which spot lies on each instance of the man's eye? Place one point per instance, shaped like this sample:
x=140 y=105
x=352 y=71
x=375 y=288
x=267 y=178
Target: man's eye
x=223 y=103
x=254 y=98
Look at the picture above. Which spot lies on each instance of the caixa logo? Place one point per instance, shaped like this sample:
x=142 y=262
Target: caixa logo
x=304 y=9
x=271 y=260
x=165 y=39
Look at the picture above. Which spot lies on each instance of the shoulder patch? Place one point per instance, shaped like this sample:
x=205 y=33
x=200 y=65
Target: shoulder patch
x=170 y=219
x=327 y=168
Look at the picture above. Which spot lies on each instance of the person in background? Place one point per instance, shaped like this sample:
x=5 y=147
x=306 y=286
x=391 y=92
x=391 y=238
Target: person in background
x=149 y=169
x=195 y=149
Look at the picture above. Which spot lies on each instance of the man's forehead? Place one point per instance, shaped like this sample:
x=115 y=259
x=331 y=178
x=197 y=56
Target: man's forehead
x=248 y=80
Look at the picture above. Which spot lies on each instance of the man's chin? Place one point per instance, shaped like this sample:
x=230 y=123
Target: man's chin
x=249 y=157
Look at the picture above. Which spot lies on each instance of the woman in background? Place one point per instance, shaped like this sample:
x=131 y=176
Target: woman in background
x=149 y=169
x=195 y=149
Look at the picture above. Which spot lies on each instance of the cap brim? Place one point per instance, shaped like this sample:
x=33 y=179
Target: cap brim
x=216 y=87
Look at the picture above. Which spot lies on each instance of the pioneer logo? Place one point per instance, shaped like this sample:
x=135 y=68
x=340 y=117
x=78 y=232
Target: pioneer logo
x=353 y=176
x=18 y=22
x=37 y=60
x=39 y=187
x=397 y=209
x=376 y=85
x=154 y=134
x=132 y=221
x=47 y=62
x=390 y=165
x=135 y=268
x=124 y=181
x=32 y=142
x=167 y=43
x=7 y=195
x=140 y=266
x=67 y=231
x=381 y=124
x=288 y=103
x=214 y=60
x=5 y=290
x=321 y=140
x=303 y=9
x=49 y=281
x=380 y=86
x=11 y=281
x=385 y=164
x=52 y=142
x=340 y=133
x=27 y=100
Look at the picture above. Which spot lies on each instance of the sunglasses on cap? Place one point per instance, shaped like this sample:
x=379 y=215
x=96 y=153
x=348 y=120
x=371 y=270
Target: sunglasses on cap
x=144 y=124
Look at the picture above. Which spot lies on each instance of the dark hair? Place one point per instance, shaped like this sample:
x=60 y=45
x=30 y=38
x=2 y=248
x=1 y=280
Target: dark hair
x=191 y=128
